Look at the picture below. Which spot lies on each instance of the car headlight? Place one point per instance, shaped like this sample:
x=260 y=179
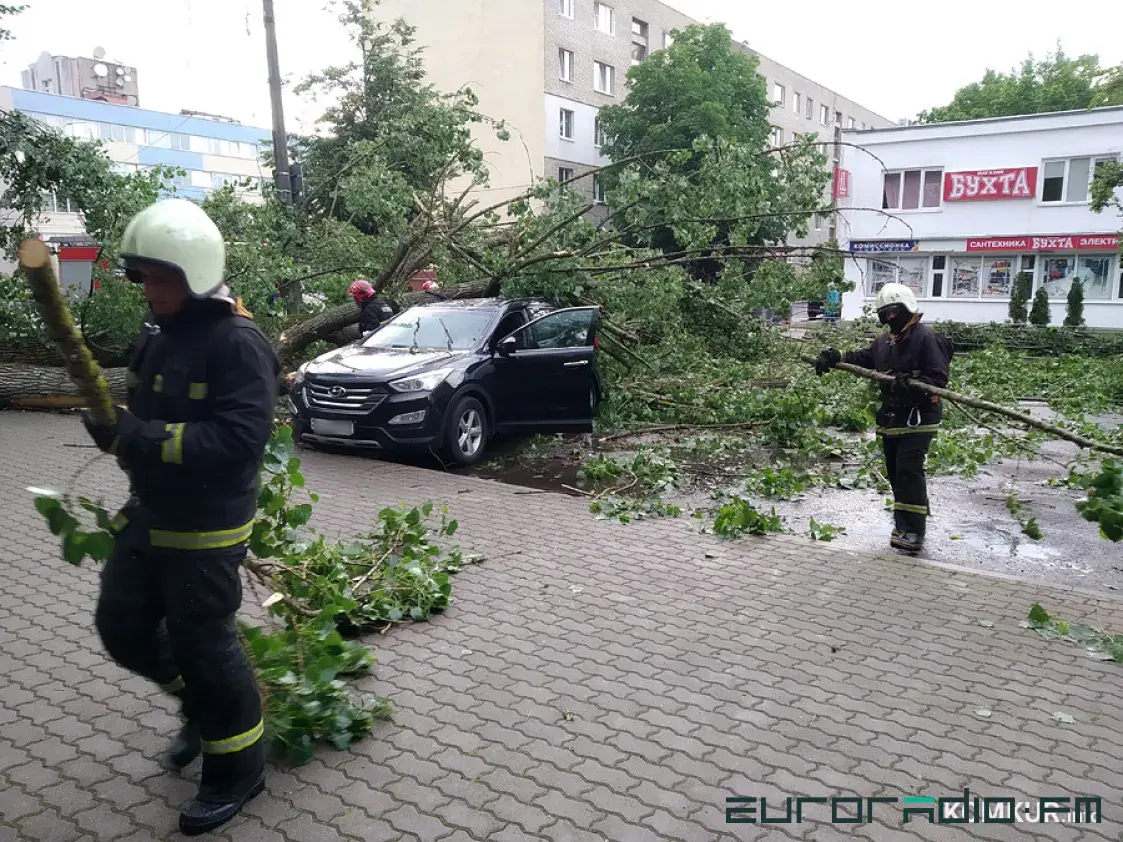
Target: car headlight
x=300 y=372
x=426 y=382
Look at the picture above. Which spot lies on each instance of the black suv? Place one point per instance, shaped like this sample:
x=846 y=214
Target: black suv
x=447 y=376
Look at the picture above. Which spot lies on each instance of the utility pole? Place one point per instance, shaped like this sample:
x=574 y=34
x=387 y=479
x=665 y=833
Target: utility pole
x=290 y=293
x=280 y=139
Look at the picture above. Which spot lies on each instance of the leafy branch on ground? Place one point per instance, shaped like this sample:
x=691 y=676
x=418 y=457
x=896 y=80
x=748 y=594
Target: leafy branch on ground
x=1103 y=503
x=1029 y=525
x=1098 y=644
x=320 y=591
x=740 y=517
x=630 y=490
x=825 y=531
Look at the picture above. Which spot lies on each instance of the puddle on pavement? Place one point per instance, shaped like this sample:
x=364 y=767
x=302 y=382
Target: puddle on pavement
x=970 y=526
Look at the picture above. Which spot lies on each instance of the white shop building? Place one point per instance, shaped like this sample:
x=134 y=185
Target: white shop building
x=956 y=210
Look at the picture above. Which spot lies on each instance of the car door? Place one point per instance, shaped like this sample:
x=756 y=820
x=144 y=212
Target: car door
x=546 y=368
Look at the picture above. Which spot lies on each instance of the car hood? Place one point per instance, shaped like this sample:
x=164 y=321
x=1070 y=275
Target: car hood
x=378 y=362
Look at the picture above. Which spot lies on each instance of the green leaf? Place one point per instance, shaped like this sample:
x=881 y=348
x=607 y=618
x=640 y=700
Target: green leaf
x=74 y=547
x=1037 y=614
x=46 y=506
x=99 y=545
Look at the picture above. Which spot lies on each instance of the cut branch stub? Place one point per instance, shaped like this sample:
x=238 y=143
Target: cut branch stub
x=35 y=258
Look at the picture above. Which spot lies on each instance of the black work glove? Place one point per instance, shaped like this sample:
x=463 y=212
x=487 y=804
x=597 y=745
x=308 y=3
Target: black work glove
x=827 y=360
x=128 y=427
x=901 y=385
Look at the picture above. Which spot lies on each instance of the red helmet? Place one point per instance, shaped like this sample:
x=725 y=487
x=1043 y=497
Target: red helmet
x=361 y=290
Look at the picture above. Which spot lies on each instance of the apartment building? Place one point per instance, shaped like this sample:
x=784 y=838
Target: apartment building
x=548 y=66
x=211 y=152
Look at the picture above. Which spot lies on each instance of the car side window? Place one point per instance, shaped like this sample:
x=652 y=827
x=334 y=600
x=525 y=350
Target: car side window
x=508 y=325
x=565 y=329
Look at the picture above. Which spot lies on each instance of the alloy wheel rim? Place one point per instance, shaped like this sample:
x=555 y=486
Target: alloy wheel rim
x=470 y=432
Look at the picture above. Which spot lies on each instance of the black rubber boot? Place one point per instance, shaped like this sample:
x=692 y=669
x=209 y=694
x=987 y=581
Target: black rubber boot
x=909 y=541
x=185 y=747
x=230 y=781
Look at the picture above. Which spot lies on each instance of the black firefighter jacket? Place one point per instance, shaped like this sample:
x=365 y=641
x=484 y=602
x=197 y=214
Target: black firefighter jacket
x=915 y=351
x=206 y=381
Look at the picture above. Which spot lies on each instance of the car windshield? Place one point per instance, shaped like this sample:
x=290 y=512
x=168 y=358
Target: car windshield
x=421 y=327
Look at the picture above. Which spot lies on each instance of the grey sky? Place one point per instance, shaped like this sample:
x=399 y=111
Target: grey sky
x=209 y=55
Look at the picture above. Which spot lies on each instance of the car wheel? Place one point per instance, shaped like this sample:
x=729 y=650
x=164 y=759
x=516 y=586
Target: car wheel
x=466 y=432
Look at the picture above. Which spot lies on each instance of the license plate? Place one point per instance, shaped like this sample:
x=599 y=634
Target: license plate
x=333 y=428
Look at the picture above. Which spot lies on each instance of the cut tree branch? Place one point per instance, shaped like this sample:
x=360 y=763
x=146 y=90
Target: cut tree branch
x=967 y=400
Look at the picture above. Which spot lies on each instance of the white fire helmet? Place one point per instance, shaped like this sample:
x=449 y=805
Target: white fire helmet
x=178 y=234
x=897 y=294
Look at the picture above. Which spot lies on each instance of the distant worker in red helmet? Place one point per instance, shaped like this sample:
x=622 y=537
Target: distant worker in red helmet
x=374 y=310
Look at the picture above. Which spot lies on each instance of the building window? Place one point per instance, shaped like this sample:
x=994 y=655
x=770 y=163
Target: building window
x=565 y=8
x=912 y=189
x=910 y=271
x=604 y=78
x=598 y=190
x=824 y=115
x=998 y=276
x=964 y=277
x=668 y=39
x=598 y=133
x=1070 y=180
x=565 y=174
x=604 y=18
x=820 y=219
x=54 y=203
x=939 y=264
x=779 y=95
x=565 y=65
x=797 y=102
x=639 y=54
x=565 y=122
x=639 y=29
x=810 y=111
x=850 y=123
x=1094 y=274
x=179 y=141
x=838 y=118
x=777 y=136
x=120 y=134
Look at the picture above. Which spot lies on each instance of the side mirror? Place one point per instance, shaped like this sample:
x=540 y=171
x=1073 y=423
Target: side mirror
x=507 y=346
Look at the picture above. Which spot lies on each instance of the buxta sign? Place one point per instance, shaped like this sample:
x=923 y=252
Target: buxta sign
x=1071 y=242
x=981 y=185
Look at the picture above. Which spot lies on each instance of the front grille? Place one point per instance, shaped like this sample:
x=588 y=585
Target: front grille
x=354 y=400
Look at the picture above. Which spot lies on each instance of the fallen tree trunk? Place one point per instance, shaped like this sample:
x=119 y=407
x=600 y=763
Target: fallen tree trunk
x=330 y=322
x=24 y=384
x=967 y=400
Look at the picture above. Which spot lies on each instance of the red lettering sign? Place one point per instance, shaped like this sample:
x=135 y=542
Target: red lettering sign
x=983 y=185
x=841 y=183
x=1070 y=242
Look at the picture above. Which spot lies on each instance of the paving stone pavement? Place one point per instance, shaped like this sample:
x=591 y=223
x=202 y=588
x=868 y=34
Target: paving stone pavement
x=593 y=681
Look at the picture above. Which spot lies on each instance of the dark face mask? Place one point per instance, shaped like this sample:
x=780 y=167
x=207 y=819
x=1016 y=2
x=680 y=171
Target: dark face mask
x=896 y=317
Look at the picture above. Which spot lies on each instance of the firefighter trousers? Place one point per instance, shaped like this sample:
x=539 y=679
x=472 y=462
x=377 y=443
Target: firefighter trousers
x=168 y=615
x=904 y=461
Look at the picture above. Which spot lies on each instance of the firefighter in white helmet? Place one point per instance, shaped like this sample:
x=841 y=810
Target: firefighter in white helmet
x=202 y=387
x=909 y=417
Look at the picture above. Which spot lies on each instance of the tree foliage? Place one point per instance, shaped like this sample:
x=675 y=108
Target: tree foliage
x=1074 y=309
x=1019 y=298
x=1055 y=83
x=1040 y=314
x=699 y=175
x=7 y=10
